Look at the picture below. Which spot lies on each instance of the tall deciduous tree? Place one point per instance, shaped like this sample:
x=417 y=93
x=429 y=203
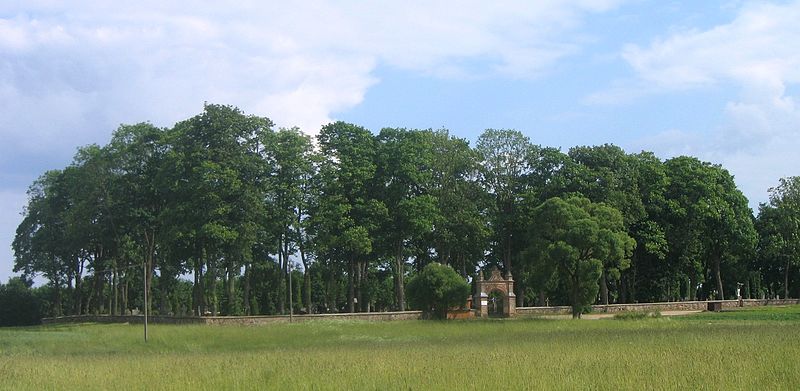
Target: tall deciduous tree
x=504 y=157
x=607 y=174
x=290 y=153
x=139 y=152
x=405 y=159
x=779 y=227
x=219 y=177
x=577 y=237
x=708 y=219
x=460 y=232
x=39 y=244
x=346 y=201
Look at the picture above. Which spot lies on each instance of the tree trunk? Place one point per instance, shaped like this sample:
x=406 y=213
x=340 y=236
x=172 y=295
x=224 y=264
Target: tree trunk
x=576 y=307
x=90 y=298
x=150 y=243
x=307 y=291
x=78 y=294
x=330 y=298
x=786 y=281
x=363 y=303
x=115 y=283
x=287 y=295
x=231 y=289
x=125 y=304
x=57 y=310
x=110 y=301
x=199 y=289
x=306 y=274
x=747 y=290
x=282 y=280
x=212 y=276
x=718 y=277
x=246 y=290
x=604 y=287
x=351 y=287
x=623 y=286
x=399 y=288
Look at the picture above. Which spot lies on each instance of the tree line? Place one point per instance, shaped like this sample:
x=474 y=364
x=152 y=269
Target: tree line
x=222 y=213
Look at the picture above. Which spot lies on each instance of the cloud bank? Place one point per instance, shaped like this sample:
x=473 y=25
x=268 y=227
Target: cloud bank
x=759 y=53
x=75 y=70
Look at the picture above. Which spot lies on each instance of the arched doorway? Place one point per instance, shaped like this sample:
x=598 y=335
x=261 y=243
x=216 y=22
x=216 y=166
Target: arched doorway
x=496 y=304
x=495 y=296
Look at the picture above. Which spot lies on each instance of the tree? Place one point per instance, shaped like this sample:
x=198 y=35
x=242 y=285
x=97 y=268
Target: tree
x=576 y=238
x=460 y=230
x=405 y=158
x=633 y=184
x=436 y=289
x=707 y=220
x=648 y=264
x=18 y=305
x=504 y=157
x=39 y=243
x=290 y=153
x=779 y=227
x=218 y=196
x=347 y=211
x=139 y=152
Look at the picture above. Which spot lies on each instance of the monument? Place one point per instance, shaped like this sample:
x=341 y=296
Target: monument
x=496 y=283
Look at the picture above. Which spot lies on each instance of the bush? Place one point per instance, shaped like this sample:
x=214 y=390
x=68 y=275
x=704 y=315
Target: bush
x=18 y=305
x=436 y=289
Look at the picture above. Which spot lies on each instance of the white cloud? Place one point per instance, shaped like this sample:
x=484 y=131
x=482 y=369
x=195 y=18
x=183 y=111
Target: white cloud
x=759 y=51
x=81 y=69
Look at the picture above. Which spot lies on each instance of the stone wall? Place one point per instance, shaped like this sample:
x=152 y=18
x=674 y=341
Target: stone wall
x=642 y=307
x=403 y=315
x=232 y=320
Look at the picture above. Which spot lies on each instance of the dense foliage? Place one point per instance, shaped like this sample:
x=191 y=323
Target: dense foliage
x=222 y=214
x=579 y=243
x=19 y=305
x=436 y=289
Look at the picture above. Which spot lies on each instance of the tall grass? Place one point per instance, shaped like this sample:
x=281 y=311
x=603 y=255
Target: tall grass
x=705 y=352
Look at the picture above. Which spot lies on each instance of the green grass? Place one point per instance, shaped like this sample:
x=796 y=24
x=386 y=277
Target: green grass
x=749 y=349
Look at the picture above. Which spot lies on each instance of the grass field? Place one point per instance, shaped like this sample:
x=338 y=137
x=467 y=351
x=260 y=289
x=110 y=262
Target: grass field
x=748 y=349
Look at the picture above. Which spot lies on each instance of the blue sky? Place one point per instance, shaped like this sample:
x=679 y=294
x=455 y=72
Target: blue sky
x=714 y=79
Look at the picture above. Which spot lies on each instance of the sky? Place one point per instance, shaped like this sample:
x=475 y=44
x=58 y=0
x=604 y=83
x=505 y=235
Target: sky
x=718 y=80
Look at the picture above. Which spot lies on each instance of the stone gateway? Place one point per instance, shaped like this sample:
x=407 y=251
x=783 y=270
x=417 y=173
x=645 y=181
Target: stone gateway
x=496 y=283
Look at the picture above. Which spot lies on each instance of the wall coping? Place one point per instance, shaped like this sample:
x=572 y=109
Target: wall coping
x=105 y=318
x=394 y=315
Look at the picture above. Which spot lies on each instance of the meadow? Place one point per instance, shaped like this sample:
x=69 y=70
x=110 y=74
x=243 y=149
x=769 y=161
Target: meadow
x=747 y=349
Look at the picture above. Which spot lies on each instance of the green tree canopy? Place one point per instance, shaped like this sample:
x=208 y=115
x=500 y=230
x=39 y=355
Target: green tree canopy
x=779 y=228
x=575 y=238
x=436 y=289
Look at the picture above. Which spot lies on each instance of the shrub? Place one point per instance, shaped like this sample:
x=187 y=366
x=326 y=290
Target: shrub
x=18 y=305
x=436 y=289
